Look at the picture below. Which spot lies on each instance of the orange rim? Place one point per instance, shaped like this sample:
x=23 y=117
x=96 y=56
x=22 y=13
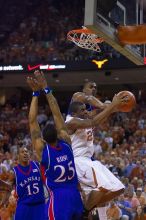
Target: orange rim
x=86 y=31
x=83 y=31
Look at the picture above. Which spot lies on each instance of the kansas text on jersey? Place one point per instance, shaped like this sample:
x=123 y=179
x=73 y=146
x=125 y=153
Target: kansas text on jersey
x=29 y=185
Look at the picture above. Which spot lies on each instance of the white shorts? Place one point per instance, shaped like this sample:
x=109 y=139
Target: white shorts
x=93 y=175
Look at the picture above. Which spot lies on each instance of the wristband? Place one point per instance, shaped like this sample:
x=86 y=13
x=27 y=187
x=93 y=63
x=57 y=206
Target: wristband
x=36 y=93
x=47 y=90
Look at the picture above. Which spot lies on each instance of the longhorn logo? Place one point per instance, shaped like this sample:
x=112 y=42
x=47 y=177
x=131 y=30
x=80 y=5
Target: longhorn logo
x=99 y=63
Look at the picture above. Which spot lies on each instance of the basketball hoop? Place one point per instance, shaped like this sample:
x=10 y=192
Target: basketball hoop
x=85 y=38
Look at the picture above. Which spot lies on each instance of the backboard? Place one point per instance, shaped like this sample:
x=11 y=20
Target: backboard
x=102 y=17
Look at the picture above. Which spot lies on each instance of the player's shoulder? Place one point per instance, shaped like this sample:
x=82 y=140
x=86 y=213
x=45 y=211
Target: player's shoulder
x=15 y=168
x=72 y=122
x=36 y=163
x=63 y=142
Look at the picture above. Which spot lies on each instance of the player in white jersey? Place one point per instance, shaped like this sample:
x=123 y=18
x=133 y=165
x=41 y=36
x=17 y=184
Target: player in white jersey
x=88 y=97
x=80 y=139
x=97 y=182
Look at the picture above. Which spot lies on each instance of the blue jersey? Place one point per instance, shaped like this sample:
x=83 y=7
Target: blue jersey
x=29 y=185
x=59 y=167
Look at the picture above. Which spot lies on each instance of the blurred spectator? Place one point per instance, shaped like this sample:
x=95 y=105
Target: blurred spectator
x=7 y=161
x=113 y=212
x=140 y=215
x=144 y=191
x=42 y=117
x=3 y=167
x=109 y=140
x=129 y=167
x=97 y=148
x=125 y=208
x=134 y=202
x=128 y=187
x=140 y=197
x=137 y=171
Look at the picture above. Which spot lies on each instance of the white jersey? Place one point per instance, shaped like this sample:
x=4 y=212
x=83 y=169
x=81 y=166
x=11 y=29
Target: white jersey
x=92 y=175
x=82 y=141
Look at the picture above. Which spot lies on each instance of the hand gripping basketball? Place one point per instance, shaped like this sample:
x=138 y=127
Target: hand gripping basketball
x=129 y=104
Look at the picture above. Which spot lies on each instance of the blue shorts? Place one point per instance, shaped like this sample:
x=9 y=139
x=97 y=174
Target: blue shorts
x=30 y=212
x=64 y=204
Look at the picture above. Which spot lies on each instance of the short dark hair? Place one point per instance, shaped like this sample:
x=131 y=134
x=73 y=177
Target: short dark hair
x=50 y=133
x=74 y=107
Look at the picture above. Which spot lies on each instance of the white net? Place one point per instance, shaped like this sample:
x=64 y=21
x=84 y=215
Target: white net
x=85 y=40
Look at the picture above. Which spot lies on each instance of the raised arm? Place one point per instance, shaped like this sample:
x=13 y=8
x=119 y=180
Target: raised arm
x=35 y=131
x=77 y=123
x=88 y=99
x=58 y=118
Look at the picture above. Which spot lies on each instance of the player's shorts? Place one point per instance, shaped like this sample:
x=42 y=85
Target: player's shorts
x=65 y=204
x=93 y=175
x=30 y=212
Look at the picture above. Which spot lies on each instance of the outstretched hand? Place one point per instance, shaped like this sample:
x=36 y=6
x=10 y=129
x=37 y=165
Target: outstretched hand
x=37 y=82
x=33 y=84
x=41 y=80
x=118 y=100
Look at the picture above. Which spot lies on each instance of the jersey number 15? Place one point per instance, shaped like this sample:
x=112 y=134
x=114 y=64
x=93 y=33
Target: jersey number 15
x=34 y=189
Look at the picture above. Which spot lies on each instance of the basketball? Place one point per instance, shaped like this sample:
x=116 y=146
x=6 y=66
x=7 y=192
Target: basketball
x=130 y=104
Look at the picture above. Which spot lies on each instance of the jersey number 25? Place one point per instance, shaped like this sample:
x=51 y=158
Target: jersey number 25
x=62 y=177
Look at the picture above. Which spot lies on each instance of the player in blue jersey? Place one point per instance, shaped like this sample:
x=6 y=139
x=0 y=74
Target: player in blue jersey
x=88 y=97
x=29 y=188
x=55 y=153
